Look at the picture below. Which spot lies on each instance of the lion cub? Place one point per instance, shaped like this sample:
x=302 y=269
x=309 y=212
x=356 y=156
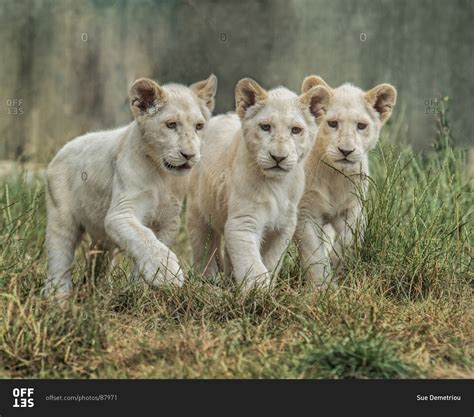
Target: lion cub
x=336 y=173
x=251 y=180
x=125 y=187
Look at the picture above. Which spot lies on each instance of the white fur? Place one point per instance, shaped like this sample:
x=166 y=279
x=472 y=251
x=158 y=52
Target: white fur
x=120 y=186
x=237 y=192
x=330 y=209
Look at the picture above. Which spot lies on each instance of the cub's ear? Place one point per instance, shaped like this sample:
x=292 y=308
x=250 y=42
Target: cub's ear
x=206 y=91
x=145 y=96
x=317 y=99
x=247 y=93
x=382 y=98
x=312 y=81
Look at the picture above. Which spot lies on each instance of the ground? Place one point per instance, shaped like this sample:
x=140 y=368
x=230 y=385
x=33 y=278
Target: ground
x=403 y=308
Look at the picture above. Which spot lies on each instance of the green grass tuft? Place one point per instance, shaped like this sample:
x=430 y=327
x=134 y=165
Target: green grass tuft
x=368 y=355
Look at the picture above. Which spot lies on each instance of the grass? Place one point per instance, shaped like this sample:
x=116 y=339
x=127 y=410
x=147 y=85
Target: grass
x=368 y=355
x=404 y=307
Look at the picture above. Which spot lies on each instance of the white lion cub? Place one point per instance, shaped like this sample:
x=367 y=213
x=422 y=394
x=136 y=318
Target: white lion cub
x=336 y=173
x=251 y=180
x=125 y=187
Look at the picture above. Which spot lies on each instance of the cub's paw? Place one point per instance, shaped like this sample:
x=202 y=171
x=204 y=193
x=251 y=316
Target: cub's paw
x=59 y=291
x=320 y=278
x=321 y=283
x=261 y=282
x=162 y=270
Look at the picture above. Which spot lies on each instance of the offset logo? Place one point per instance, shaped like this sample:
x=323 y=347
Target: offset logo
x=23 y=397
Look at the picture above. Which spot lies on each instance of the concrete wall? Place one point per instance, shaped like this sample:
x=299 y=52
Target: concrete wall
x=65 y=66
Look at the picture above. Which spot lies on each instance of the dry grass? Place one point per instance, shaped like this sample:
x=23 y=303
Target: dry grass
x=404 y=307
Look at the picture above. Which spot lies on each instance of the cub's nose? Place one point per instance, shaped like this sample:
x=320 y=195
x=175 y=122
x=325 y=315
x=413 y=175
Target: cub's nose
x=187 y=156
x=278 y=159
x=346 y=152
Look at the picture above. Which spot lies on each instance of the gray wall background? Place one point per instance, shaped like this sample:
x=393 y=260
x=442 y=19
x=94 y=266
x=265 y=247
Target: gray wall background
x=65 y=66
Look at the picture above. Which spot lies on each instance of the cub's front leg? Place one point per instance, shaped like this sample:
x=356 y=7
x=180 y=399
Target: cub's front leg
x=153 y=259
x=314 y=243
x=349 y=228
x=166 y=235
x=242 y=241
x=351 y=225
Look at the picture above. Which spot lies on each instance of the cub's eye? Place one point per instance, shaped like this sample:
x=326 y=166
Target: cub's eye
x=171 y=125
x=296 y=130
x=361 y=126
x=332 y=123
x=199 y=126
x=265 y=127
